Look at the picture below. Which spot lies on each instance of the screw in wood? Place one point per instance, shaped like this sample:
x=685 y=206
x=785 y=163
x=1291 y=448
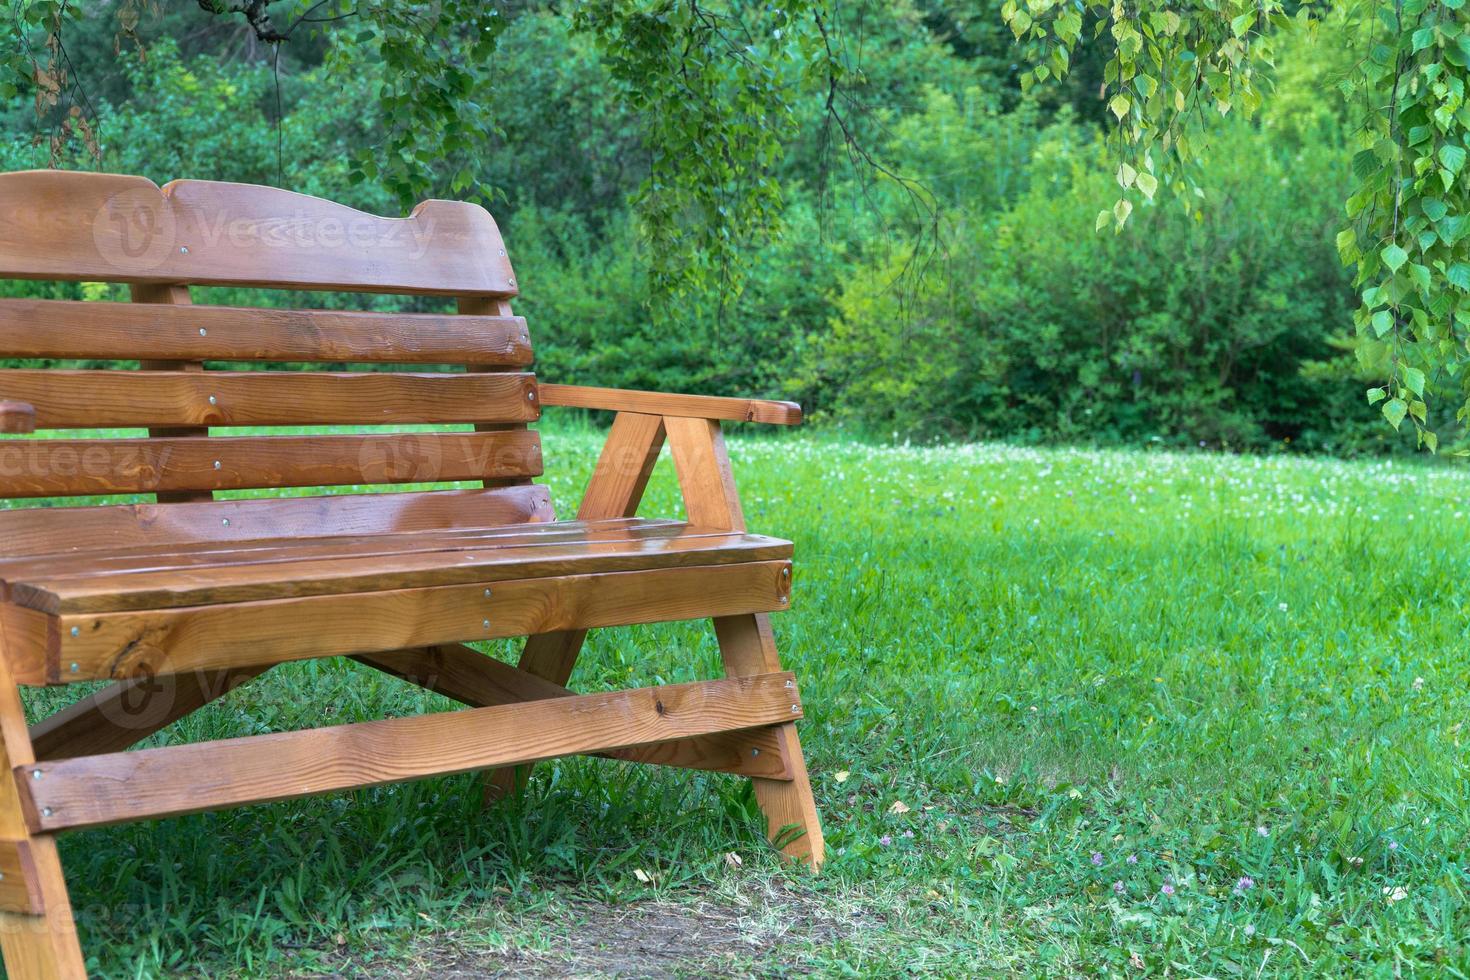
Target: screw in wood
x=35 y=774
x=76 y=631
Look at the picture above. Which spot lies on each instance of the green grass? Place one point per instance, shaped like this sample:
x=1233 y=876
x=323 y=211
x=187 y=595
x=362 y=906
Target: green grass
x=1057 y=661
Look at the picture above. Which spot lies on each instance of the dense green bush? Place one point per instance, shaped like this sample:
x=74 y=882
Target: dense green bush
x=972 y=298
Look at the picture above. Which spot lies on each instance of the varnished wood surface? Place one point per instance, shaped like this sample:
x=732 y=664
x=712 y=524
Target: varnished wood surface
x=39 y=940
x=86 y=467
x=136 y=399
x=658 y=403
x=100 y=790
x=287 y=568
x=59 y=531
x=747 y=643
x=478 y=680
x=119 y=331
x=113 y=228
x=121 y=645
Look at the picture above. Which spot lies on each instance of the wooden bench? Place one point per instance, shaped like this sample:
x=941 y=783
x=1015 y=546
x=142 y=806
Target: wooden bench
x=185 y=595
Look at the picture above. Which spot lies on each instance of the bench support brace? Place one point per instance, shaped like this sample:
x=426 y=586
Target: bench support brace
x=747 y=643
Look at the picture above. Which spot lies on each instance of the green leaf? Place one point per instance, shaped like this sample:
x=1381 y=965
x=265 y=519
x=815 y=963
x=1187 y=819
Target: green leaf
x=1119 y=106
x=1429 y=439
x=1394 y=257
x=1365 y=164
x=1458 y=275
x=1423 y=38
x=1148 y=184
x=1394 y=411
x=1453 y=157
x=1103 y=218
x=1414 y=379
x=1376 y=395
x=1382 y=322
x=1434 y=208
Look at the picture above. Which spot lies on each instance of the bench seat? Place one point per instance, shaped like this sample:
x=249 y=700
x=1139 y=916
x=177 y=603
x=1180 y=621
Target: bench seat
x=158 y=577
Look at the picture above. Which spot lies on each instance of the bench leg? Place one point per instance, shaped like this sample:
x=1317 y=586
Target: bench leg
x=38 y=935
x=749 y=647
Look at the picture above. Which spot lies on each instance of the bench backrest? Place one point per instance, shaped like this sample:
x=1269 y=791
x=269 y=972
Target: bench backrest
x=467 y=367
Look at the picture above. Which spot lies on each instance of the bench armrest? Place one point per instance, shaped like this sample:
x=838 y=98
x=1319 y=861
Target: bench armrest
x=677 y=406
x=17 y=417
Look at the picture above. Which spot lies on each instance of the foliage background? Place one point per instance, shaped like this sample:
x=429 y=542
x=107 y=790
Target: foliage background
x=1009 y=317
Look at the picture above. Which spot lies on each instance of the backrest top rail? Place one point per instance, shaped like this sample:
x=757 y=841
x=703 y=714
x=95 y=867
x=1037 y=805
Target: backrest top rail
x=60 y=225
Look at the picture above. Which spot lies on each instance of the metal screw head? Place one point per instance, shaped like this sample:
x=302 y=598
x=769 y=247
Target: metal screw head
x=35 y=774
x=2 y=876
x=226 y=522
x=213 y=400
x=486 y=624
x=487 y=593
x=76 y=631
x=754 y=753
x=531 y=395
x=203 y=332
x=75 y=668
x=217 y=464
x=183 y=250
x=511 y=281
x=796 y=709
x=45 y=811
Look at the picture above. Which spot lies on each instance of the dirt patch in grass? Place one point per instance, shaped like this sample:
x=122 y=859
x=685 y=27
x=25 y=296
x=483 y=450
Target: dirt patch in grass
x=741 y=933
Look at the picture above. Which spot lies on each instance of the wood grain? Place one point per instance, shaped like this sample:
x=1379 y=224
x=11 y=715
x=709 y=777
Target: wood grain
x=112 y=228
x=17 y=417
x=657 y=403
x=285 y=569
x=117 y=646
x=76 y=530
x=20 y=891
x=39 y=940
x=119 y=331
x=615 y=490
x=100 y=790
x=133 y=399
x=747 y=643
x=477 y=680
x=78 y=467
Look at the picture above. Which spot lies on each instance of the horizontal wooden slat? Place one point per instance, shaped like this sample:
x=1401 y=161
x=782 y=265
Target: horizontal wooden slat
x=682 y=406
x=150 y=331
x=121 y=645
x=178 y=779
x=19 y=888
x=112 y=228
x=56 y=467
x=472 y=678
x=75 y=530
x=283 y=569
x=139 y=399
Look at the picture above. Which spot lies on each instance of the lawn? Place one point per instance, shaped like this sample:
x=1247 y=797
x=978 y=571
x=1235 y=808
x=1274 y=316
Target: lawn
x=1068 y=712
